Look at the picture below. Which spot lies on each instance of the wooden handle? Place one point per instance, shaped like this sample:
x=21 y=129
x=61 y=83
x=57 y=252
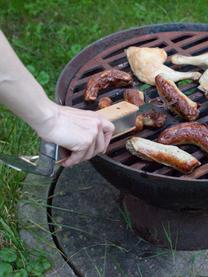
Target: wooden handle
x=118 y=111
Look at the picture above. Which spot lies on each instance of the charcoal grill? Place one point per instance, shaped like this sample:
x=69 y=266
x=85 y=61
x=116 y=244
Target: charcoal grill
x=153 y=183
x=157 y=184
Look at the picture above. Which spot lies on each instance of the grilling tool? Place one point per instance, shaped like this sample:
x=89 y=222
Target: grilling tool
x=122 y=115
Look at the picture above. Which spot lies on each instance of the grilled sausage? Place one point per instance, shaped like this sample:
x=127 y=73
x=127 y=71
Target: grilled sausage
x=105 y=79
x=134 y=96
x=104 y=102
x=186 y=133
x=169 y=92
x=165 y=154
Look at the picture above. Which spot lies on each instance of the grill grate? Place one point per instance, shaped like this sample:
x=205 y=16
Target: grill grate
x=187 y=43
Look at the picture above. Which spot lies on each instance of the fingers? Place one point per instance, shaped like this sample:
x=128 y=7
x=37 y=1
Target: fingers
x=108 y=137
x=107 y=126
x=79 y=156
x=63 y=155
x=90 y=152
x=92 y=141
x=108 y=130
x=74 y=158
x=100 y=141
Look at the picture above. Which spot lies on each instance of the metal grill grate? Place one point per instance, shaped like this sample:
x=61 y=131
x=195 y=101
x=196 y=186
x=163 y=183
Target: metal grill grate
x=187 y=43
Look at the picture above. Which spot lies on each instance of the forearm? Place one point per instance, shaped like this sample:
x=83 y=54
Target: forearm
x=84 y=133
x=19 y=91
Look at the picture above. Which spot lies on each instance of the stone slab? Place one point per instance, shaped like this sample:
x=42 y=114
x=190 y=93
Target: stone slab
x=97 y=237
x=33 y=224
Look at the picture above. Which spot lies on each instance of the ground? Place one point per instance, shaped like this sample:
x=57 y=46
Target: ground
x=46 y=34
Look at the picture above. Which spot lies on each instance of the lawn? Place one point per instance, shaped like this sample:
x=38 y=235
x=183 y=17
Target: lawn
x=46 y=34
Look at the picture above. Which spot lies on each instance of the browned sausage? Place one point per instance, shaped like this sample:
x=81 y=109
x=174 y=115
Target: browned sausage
x=165 y=154
x=105 y=79
x=186 y=133
x=134 y=96
x=104 y=102
x=169 y=92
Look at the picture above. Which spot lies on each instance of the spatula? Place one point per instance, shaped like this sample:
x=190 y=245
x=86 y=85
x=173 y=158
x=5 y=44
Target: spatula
x=122 y=115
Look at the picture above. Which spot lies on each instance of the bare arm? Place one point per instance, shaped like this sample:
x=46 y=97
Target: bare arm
x=82 y=132
x=19 y=91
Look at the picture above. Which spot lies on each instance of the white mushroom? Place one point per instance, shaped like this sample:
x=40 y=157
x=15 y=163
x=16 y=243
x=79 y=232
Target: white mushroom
x=147 y=63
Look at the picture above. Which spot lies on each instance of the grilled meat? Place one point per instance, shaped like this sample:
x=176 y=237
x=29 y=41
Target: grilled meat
x=186 y=133
x=147 y=63
x=105 y=79
x=183 y=105
x=134 y=96
x=200 y=60
x=203 y=81
x=169 y=155
x=154 y=119
x=139 y=123
x=151 y=119
x=104 y=102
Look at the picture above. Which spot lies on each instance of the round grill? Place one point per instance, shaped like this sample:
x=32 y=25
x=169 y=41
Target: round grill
x=109 y=53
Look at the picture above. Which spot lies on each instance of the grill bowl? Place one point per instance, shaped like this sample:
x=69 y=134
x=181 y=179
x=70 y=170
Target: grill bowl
x=156 y=184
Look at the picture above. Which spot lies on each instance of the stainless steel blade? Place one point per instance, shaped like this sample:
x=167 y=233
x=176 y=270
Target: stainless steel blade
x=44 y=166
x=17 y=163
x=126 y=123
x=147 y=107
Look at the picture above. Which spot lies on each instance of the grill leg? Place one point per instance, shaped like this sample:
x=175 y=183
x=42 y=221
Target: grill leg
x=181 y=230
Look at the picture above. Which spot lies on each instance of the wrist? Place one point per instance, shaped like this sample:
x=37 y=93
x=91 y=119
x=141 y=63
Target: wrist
x=45 y=121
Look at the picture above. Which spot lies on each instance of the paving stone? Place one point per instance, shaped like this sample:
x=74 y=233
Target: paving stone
x=33 y=224
x=98 y=239
x=93 y=231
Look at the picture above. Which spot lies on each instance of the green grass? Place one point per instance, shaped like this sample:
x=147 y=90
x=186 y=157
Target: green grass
x=46 y=34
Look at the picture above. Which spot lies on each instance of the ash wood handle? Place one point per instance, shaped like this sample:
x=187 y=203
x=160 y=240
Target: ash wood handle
x=118 y=111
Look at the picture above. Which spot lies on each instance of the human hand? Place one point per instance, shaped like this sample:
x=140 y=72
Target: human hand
x=84 y=133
